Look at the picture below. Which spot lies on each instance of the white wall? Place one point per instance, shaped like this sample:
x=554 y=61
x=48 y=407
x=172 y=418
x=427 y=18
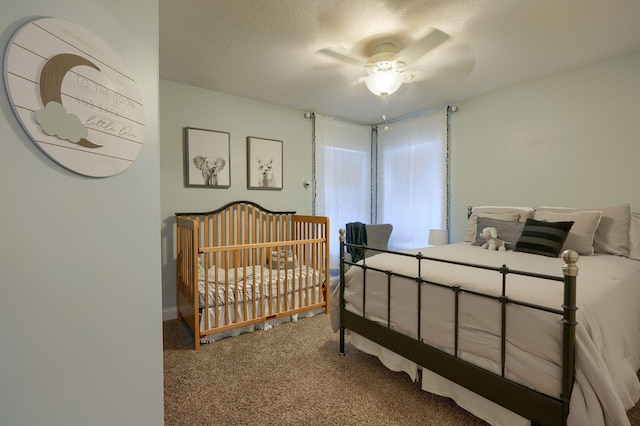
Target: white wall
x=188 y=106
x=567 y=140
x=80 y=297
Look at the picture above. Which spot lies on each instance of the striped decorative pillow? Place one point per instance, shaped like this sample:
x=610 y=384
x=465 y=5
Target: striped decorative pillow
x=544 y=238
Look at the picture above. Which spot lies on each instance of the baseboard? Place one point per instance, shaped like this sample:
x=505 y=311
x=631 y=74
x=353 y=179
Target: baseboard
x=169 y=313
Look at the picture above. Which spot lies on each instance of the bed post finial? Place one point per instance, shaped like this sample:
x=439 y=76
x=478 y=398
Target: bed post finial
x=342 y=234
x=570 y=258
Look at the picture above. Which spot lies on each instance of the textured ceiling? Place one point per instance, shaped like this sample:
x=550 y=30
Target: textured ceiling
x=268 y=50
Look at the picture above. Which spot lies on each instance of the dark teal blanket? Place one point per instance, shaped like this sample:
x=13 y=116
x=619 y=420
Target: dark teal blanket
x=356 y=234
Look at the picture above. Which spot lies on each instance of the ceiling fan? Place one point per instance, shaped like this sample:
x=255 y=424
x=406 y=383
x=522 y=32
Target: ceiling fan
x=387 y=68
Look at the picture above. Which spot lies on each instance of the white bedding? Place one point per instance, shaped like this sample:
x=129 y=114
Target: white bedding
x=259 y=280
x=296 y=287
x=607 y=335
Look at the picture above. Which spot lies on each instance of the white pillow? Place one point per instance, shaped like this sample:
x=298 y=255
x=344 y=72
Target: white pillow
x=200 y=269
x=222 y=273
x=582 y=232
x=495 y=212
x=634 y=236
x=612 y=235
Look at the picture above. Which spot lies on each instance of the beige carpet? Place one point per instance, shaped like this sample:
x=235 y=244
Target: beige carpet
x=293 y=375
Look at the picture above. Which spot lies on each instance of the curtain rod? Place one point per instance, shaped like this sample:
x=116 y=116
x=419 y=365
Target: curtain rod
x=454 y=109
x=416 y=114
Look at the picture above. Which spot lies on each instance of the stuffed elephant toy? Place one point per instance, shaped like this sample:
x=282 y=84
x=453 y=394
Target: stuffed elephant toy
x=490 y=235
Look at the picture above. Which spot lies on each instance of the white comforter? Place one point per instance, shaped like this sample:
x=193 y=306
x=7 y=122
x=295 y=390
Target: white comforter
x=607 y=335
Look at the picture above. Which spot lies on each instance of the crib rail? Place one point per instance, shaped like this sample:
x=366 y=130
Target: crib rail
x=285 y=279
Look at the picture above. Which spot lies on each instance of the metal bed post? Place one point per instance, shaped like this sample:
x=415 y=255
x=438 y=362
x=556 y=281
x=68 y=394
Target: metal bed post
x=570 y=271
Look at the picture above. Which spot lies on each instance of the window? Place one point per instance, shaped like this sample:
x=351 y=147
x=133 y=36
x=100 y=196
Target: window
x=411 y=182
x=343 y=176
x=412 y=173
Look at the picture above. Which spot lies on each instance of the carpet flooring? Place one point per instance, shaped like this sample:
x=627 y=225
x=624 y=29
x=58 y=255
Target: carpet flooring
x=292 y=374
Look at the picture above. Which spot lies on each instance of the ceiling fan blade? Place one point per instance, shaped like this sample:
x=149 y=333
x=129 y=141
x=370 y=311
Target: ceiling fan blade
x=414 y=76
x=423 y=46
x=456 y=70
x=357 y=81
x=343 y=56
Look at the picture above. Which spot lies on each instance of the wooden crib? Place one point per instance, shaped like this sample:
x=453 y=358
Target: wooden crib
x=242 y=265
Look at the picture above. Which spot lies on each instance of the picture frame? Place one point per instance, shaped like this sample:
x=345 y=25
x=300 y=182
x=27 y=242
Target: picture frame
x=207 y=160
x=264 y=164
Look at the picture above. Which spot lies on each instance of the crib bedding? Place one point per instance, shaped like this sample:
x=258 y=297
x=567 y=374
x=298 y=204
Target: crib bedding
x=268 y=290
x=607 y=335
x=261 y=282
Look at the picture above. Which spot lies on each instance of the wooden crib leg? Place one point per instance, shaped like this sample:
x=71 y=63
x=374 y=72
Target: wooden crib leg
x=196 y=338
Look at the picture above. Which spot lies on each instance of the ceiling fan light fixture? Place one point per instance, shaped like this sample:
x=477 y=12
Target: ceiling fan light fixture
x=384 y=83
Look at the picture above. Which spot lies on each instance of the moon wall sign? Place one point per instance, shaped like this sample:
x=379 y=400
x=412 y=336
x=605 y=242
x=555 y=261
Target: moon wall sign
x=74 y=97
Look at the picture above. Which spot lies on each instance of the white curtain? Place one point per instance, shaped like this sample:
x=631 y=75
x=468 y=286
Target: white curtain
x=412 y=178
x=342 y=175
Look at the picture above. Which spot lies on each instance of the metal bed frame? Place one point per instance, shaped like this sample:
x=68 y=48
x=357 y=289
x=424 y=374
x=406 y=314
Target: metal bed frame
x=540 y=408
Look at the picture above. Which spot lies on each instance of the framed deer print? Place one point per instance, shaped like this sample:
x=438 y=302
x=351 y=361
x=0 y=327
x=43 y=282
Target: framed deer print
x=264 y=163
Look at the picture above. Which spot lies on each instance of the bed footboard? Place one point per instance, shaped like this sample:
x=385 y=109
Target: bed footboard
x=242 y=265
x=538 y=407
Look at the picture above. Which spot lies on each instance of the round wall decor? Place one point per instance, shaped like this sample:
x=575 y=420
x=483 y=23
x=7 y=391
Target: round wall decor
x=74 y=97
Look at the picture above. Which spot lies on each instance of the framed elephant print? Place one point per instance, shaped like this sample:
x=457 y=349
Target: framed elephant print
x=206 y=158
x=264 y=163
